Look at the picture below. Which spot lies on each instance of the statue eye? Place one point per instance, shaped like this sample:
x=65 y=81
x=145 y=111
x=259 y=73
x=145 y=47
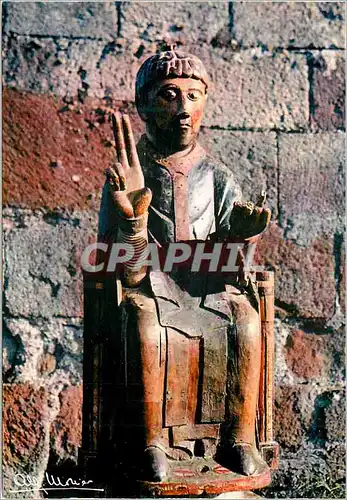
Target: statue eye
x=193 y=96
x=168 y=94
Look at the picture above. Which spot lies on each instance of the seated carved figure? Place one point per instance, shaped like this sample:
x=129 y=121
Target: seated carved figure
x=190 y=342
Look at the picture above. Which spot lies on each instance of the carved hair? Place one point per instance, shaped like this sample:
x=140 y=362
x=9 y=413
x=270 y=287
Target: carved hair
x=170 y=63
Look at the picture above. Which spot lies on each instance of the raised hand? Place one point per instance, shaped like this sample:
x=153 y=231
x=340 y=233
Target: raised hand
x=249 y=220
x=125 y=178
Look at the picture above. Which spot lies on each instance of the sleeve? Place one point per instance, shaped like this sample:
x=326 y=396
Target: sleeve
x=227 y=191
x=108 y=226
x=131 y=232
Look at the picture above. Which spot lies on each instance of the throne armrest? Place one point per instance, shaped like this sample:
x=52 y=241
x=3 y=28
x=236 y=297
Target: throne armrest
x=268 y=447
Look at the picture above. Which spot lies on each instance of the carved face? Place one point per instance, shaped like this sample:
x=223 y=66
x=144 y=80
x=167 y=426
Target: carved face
x=175 y=110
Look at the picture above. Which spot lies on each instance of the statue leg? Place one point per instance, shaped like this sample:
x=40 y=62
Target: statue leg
x=149 y=336
x=243 y=384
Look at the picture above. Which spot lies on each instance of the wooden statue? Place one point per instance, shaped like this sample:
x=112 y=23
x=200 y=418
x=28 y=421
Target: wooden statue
x=178 y=366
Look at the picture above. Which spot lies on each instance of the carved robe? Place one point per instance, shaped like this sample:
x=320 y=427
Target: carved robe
x=193 y=197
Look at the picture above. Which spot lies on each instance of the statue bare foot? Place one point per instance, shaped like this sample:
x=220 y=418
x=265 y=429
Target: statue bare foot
x=155 y=464
x=244 y=459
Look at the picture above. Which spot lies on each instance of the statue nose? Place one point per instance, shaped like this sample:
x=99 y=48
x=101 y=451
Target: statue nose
x=184 y=105
x=183 y=115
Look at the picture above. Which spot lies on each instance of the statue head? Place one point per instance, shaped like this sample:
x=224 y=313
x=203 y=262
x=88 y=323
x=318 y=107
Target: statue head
x=171 y=91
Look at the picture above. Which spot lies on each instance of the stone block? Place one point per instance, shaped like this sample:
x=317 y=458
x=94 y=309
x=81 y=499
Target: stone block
x=251 y=89
x=12 y=354
x=254 y=89
x=308 y=355
x=305 y=283
x=251 y=156
x=303 y=416
x=47 y=352
x=310 y=352
x=337 y=347
x=328 y=90
x=42 y=265
x=289 y=24
x=304 y=474
x=72 y=19
x=54 y=154
x=116 y=75
x=335 y=418
x=26 y=427
x=312 y=185
x=336 y=461
x=66 y=430
x=329 y=418
x=71 y=69
x=293 y=407
x=283 y=375
x=186 y=22
x=342 y=277
x=47 y=65
x=30 y=344
x=288 y=429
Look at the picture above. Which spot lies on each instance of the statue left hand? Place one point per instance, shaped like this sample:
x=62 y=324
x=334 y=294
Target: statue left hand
x=249 y=220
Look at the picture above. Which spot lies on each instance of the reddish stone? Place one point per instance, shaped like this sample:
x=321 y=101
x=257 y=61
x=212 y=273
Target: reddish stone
x=66 y=430
x=307 y=354
x=328 y=89
x=288 y=427
x=55 y=155
x=305 y=283
x=24 y=425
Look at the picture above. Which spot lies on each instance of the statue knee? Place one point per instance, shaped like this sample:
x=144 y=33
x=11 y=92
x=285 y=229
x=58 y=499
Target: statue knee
x=139 y=301
x=250 y=334
x=143 y=309
x=248 y=326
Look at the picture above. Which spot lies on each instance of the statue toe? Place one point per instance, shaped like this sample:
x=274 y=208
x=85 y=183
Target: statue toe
x=245 y=459
x=250 y=464
x=155 y=464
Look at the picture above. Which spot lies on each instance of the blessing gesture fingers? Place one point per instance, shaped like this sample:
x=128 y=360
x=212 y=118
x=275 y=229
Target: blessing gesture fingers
x=248 y=219
x=125 y=177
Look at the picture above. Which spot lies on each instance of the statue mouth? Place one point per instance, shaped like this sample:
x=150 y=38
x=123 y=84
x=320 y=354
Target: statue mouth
x=182 y=121
x=185 y=122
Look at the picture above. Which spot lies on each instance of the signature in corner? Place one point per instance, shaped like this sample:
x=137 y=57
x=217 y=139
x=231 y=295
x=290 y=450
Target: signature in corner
x=26 y=482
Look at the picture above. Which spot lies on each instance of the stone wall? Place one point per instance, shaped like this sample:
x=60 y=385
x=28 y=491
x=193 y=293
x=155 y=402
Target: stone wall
x=275 y=117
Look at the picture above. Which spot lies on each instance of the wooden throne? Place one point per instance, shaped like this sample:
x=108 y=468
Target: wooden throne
x=102 y=456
